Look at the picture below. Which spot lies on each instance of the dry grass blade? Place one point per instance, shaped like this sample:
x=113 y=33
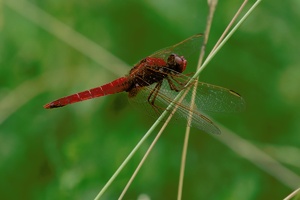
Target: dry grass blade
x=262 y=160
x=212 y=5
x=172 y=104
x=69 y=36
x=15 y=99
x=64 y=33
x=151 y=147
x=293 y=194
x=229 y=25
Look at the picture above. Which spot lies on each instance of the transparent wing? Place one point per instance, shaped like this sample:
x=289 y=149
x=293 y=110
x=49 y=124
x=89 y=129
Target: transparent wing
x=183 y=48
x=163 y=99
x=213 y=98
x=208 y=97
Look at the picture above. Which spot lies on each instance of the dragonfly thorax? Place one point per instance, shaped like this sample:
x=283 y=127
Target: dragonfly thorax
x=153 y=70
x=147 y=71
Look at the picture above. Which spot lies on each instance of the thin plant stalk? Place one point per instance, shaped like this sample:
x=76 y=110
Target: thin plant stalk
x=152 y=145
x=230 y=24
x=151 y=129
x=15 y=99
x=211 y=55
x=293 y=194
x=160 y=118
x=258 y=157
x=69 y=36
x=212 y=7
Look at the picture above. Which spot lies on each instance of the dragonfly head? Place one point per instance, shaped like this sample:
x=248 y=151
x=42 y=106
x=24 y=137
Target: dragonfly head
x=177 y=63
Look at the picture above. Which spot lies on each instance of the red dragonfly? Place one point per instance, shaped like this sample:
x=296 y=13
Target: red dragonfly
x=156 y=80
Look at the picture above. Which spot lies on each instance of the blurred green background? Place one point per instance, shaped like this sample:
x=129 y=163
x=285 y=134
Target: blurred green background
x=52 y=48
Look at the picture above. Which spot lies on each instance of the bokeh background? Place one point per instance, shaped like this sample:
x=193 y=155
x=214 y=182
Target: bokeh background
x=52 y=48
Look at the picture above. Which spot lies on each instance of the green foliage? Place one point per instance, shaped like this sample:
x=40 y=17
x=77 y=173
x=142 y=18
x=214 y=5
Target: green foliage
x=70 y=153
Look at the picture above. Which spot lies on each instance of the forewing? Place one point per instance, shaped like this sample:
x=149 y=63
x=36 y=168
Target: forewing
x=184 y=48
x=213 y=98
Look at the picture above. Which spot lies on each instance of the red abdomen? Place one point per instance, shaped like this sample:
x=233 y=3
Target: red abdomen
x=118 y=85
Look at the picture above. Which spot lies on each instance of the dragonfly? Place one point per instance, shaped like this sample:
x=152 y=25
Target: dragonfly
x=154 y=82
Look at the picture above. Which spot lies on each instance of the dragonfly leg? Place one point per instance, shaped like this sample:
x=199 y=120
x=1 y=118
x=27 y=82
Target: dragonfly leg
x=172 y=85
x=179 y=82
x=154 y=93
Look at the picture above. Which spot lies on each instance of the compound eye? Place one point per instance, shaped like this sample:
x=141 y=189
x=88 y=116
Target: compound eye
x=181 y=61
x=178 y=60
